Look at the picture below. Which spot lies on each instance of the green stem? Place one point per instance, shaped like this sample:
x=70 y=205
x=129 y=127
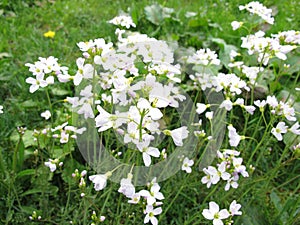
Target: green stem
x=15 y=157
x=262 y=141
x=169 y=206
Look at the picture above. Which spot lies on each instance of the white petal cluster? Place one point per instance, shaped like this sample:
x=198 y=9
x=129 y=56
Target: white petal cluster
x=204 y=57
x=123 y=21
x=217 y=216
x=229 y=169
x=43 y=72
x=260 y=10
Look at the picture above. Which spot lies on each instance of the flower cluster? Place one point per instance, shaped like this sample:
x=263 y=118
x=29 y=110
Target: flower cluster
x=131 y=88
x=44 y=72
x=123 y=21
x=139 y=93
x=217 y=216
x=204 y=57
x=266 y=47
x=53 y=163
x=80 y=177
x=228 y=169
x=260 y=10
x=290 y=36
x=150 y=197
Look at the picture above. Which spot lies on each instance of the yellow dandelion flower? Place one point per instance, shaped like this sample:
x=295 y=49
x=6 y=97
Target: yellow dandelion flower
x=49 y=34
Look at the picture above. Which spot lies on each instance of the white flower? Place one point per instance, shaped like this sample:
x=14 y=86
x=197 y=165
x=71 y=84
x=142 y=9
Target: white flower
x=239 y=168
x=234 y=208
x=147 y=151
x=236 y=25
x=272 y=101
x=260 y=104
x=103 y=120
x=133 y=133
x=222 y=172
x=64 y=137
x=151 y=213
x=204 y=57
x=135 y=198
x=153 y=194
x=280 y=129
x=46 y=114
x=84 y=71
x=201 y=107
x=100 y=180
x=287 y=111
x=75 y=130
x=214 y=213
x=36 y=83
x=127 y=187
x=232 y=182
x=249 y=108
x=209 y=115
x=295 y=129
x=227 y=104
x=209 y=179
x=178 y=135
x=186 y=165
x=154 y=113
x=1 y=109
x=123 y=20
x=51 y=164
x=234 y=137
x=190 y=14
x=86 y=110
x=213 y=175
x=85 y=46
x=259 y=9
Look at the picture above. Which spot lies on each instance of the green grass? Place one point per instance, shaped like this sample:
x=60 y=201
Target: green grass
x=274 y=193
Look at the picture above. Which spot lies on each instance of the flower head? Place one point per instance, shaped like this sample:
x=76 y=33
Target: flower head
x=151 y=213
x=178 y=135
x=186 y=165
x=51 y=164
x=280 y=129
x=46 y=114
x=100 y=180
x=234 y=208
x=215 y=214
x=236 y=25
x=49 y=34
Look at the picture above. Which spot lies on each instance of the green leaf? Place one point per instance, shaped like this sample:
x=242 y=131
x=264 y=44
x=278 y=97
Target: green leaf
x=282 y=215
x=21 y=154
x=224 y=54
x=28 y=139
x=135 y=15
x=31 y=191
x=276 y=201
x=154 y=14
x=57 y=153
x=59 y=92
x=25 y=173
x=275 y=86
x=29 y=104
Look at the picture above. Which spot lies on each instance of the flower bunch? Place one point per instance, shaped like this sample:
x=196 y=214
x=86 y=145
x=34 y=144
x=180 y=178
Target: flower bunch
x=148 y=198
x=44 y=72
x=216 y=215
x=260 y=10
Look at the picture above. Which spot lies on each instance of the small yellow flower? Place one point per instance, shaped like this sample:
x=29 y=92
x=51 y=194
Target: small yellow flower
x=49 y=34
